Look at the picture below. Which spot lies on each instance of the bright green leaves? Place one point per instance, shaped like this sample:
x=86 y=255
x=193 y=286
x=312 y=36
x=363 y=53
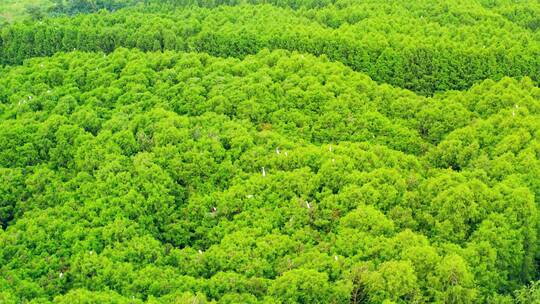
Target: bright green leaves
x=394 y=281
x=454 y=281
x=307 y=286
x=280 y=178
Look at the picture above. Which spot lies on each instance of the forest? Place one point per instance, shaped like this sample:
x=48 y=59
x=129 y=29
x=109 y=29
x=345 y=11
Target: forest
x=270 y=151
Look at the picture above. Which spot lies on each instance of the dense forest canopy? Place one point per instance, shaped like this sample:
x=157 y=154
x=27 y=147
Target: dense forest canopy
x=426 y=47
x=280 y=151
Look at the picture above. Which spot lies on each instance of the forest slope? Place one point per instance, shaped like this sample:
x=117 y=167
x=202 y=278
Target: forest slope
x=424 y=47
x=276 y=178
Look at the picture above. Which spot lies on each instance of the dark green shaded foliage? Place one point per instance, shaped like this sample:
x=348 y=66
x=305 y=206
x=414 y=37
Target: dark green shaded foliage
x=424 y=47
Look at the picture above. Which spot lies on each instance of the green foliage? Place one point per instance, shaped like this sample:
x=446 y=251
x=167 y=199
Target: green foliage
x=253 y=152
x=529 y=294
x=73 y=7
x=14 y=10
x=140 y=175
x=426 y=47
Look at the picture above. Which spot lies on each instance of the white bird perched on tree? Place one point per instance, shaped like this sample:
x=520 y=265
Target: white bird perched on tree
x=214 y=209
x=330 y=148
x=61 y=274
x=200 y=251
x=336 y=257
x=308 y=205
x=263 y=172
x=277 y=150
x=286 y=154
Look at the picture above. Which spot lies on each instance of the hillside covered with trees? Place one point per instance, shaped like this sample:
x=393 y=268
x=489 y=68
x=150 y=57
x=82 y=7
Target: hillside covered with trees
x=278 y=151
